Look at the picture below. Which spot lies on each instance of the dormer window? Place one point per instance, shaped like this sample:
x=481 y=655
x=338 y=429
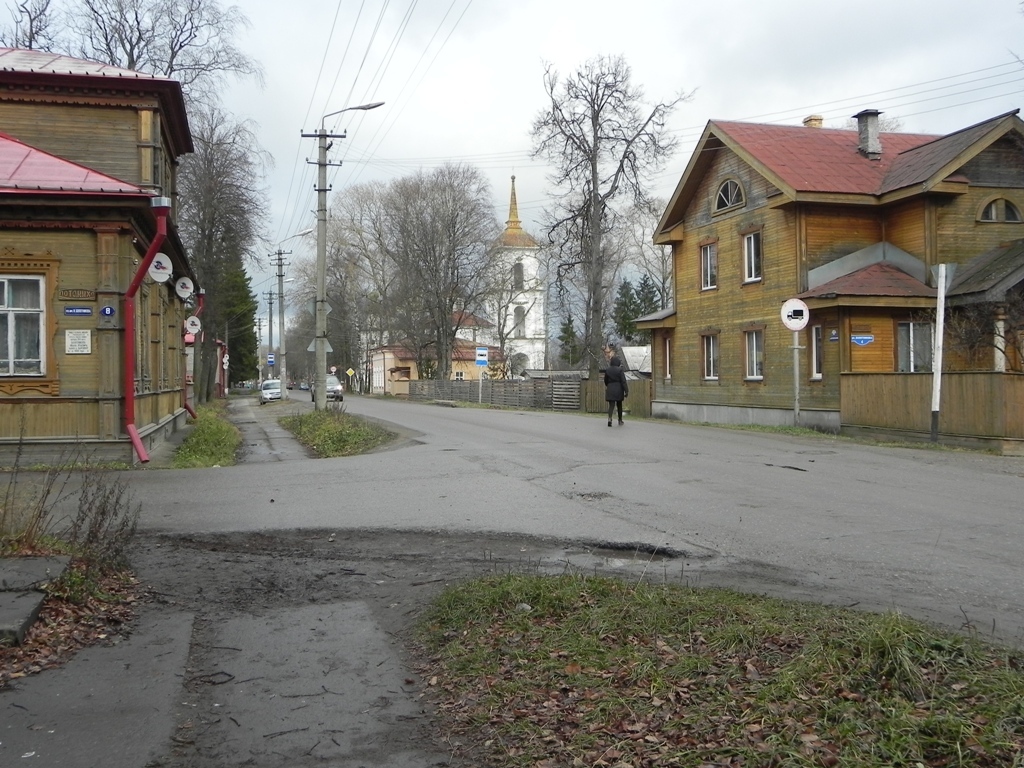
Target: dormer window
x=730 y=195
x=1000 y=209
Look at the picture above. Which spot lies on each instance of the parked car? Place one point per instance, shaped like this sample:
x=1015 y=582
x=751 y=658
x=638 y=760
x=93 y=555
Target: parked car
x=304 y=387
x=335 y=390
x=270 y=390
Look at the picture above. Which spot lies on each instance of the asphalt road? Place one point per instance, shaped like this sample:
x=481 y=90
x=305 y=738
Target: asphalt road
x=936 y=534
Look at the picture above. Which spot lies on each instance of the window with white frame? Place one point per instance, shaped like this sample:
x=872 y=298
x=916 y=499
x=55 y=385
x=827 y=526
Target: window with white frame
x=709 y=266
x=729 y=195
x=754 y=341
x=460 y=375
x=817 y=349
x=751 y=257
x=710 y=344
x=913 y=347
x=22 y=320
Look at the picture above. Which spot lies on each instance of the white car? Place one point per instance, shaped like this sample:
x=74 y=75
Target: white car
x=270 y=390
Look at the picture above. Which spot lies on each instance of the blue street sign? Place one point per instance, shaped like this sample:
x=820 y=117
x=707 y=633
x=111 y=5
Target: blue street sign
x=481 y=356
x=862 y=340
x=270 y=359
x=78 y=311
x=107 y=311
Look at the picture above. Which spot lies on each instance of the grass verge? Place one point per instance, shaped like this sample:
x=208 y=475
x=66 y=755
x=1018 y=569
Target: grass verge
x=213 y=440
x=334 y=433
x=574 y=670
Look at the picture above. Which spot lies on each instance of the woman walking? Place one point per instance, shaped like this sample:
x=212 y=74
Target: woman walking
x=615 y=388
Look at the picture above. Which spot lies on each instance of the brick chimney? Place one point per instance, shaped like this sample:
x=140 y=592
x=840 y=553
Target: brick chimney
x=868 y=143
x=813 y=121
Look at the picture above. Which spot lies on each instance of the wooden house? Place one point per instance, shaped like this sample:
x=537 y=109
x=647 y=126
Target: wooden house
x=852 y=223
x=94 y=282
x=393 y=366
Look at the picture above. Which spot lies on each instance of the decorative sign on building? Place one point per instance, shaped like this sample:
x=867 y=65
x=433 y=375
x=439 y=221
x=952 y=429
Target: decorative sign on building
x=77 y=342
x=76 y=294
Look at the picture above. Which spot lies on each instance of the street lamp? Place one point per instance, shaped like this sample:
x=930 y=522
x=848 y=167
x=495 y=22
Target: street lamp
x=280 y=309
x=320 y=340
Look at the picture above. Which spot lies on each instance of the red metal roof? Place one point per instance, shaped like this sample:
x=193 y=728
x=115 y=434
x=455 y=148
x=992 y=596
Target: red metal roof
x=25 y=169
x=32 y=60
x=819 y=159
x=880 y=279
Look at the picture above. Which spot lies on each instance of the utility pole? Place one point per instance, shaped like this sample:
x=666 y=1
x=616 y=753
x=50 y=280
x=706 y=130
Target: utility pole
x=320 y=345
x=280 y=264
x=270 y=322
x=259 y=357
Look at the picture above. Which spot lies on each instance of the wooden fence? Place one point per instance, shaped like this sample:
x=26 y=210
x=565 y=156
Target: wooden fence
x=544 y=394
x=981 y=405
x=637 y=404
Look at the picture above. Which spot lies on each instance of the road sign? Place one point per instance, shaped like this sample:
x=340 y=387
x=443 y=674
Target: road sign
x=481 y=356
x=350 y=372
x=270 y=358
x=795 y=314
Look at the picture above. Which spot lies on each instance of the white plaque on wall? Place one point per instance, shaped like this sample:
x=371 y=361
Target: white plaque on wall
x=78 y=342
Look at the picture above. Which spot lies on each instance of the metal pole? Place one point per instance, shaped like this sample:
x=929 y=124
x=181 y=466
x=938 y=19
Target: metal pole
x=796 y=378
x=940 y=315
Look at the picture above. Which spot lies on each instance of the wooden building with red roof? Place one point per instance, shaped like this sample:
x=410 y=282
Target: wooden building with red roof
x=95 y=285
x=851 y=222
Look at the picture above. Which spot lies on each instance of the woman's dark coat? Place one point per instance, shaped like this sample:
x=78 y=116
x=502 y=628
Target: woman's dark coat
x=615 y=386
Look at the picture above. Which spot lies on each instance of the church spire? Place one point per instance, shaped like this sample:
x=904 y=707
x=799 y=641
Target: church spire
x=513 y=209
x=514 y=235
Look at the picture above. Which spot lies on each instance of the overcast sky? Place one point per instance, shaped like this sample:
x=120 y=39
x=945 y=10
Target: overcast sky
x=462 y=80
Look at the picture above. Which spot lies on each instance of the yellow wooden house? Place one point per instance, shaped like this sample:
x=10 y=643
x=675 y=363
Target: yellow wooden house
x=95 y=286
x=854 y=224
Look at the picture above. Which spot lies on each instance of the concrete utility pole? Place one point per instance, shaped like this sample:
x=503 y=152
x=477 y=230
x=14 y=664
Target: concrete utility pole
x=270 y=321
x=283 y=362
x=320 y=345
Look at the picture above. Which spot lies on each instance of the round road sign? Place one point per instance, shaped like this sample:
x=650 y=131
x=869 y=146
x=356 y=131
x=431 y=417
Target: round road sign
x=795 y=314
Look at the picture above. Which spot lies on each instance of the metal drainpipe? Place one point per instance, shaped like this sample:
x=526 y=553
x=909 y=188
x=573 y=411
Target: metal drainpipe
x=161 y=207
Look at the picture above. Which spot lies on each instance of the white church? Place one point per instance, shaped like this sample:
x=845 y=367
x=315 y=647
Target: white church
x=520 y=308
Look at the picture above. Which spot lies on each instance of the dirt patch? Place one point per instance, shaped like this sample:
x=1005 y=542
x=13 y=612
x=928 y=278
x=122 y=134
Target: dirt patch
x=338 y=610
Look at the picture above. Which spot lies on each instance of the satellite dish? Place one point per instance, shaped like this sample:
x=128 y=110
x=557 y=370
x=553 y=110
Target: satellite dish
x=193 y=324
x=184 y=287
x=160 y=268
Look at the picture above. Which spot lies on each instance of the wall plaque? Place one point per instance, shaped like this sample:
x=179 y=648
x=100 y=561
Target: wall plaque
x=77 y=294
x=77 y=342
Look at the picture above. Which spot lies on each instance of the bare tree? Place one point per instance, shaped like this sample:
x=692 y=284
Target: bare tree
x=33 y=26
x=221 y=215
x=188 y=40
x=642 y=252
x=424 y=246
x=975 y=330
x=603 y=148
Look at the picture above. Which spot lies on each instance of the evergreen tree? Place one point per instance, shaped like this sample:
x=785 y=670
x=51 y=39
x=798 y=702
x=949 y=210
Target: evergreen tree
x=570 y=344
x=625 y=311
x=240 y=305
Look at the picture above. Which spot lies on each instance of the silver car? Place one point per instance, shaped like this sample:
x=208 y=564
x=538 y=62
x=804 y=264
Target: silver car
x=334 y=390
x=270 y=390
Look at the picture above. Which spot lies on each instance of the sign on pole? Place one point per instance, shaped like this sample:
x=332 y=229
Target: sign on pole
x=270 y=359
x=481 y=356
x=795 y=315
